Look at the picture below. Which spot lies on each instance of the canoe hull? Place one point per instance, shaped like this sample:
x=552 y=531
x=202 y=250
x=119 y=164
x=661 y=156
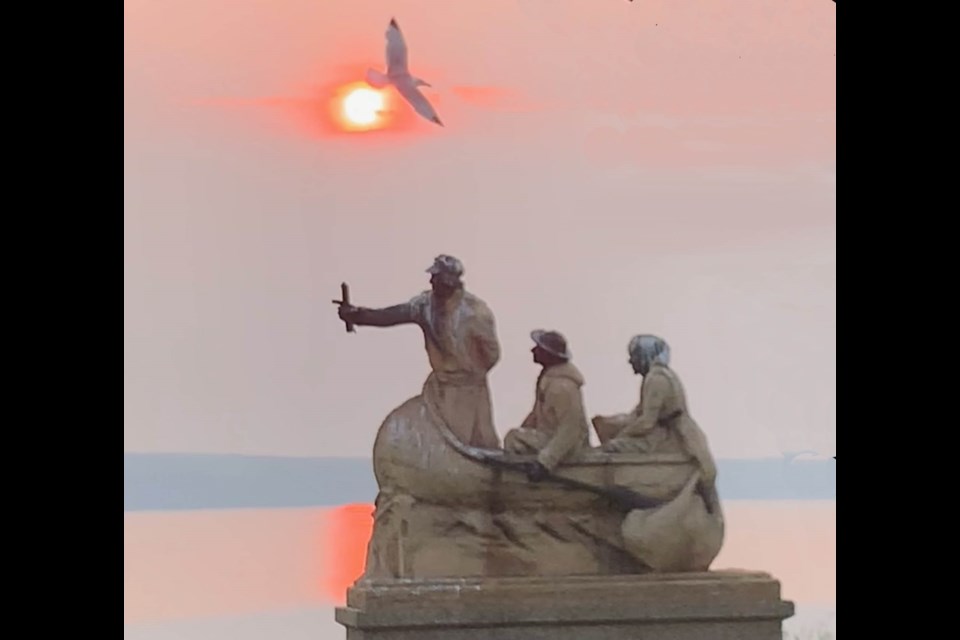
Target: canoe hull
x=448 y=510
x=413 y=457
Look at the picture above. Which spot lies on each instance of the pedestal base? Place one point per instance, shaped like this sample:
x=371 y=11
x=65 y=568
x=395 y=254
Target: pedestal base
x=717 y=605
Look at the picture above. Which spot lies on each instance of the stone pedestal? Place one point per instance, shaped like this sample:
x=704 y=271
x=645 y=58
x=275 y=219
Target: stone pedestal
x=717 y=605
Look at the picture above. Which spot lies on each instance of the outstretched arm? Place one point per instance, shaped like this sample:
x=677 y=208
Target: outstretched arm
x=385 y=317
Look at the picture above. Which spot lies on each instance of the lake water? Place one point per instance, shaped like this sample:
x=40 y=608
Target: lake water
x=266 y=574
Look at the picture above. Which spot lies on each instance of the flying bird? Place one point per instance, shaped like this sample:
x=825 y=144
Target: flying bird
x=399 y=76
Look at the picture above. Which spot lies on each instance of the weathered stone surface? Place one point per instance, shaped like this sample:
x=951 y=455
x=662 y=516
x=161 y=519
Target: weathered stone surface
x=686 y=606
x=550 y=538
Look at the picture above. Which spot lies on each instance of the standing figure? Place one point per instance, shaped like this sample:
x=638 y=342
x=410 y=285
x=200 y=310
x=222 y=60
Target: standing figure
x=462 y=346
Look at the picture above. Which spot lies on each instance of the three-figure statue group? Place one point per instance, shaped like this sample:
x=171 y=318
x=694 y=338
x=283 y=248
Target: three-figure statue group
x=461 y=341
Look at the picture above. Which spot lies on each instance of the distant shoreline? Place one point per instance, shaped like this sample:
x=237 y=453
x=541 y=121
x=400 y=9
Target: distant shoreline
x=175 y=481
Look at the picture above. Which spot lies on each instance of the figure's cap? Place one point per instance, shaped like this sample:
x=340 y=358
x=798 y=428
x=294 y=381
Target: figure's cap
x=446 y=264
x=551 y=342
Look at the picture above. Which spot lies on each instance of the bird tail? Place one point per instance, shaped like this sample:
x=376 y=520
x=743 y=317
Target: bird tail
x=376 y=79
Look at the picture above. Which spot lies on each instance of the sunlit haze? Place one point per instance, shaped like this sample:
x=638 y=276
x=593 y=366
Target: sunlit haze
x=362 y=106
x=604 y=169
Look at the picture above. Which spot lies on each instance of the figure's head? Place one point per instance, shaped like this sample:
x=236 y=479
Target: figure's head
x=645 y=350
x=446 y=275
x=549 y=348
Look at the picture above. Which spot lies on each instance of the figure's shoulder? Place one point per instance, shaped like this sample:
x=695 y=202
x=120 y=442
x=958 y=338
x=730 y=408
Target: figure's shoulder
x=667 y=374
x=559 y=385
x=658 y=371
x=657 y=376
x=420 y=302
x=472 y=299
x=661 y=379
x=421 y=298
x=673 y=379
x=563 y=378
x=477 y=304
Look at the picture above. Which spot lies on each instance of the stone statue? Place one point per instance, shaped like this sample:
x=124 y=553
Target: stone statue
x=661 y=421
x=462 y=346
x=547 y=536
x=556 y=430
x=451 y=502
x=688 y=532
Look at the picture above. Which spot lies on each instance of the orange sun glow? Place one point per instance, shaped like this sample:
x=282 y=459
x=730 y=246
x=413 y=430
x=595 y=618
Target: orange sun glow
x=349 y=528
x=360 y=108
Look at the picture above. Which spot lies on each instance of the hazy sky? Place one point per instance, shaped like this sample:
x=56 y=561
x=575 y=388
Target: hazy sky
x=607 y=168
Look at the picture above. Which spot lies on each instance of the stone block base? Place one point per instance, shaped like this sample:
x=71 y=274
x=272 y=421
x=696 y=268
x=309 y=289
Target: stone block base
x=717 y=605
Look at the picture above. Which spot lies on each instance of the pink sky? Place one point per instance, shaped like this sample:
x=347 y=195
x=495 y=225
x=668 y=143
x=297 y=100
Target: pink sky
x=607 y=168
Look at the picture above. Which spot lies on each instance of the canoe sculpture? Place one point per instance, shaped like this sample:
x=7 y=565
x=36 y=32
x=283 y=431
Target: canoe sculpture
x=447 y=509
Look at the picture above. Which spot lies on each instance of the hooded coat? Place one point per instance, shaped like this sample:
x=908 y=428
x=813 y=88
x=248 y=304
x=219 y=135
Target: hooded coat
x=661 y=416
x=557 y=428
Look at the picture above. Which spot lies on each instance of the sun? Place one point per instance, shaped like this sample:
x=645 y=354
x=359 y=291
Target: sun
x=356 y=107
x=363 y=106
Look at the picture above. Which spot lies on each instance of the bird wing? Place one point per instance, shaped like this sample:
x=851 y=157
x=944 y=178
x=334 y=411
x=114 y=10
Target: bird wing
x=376 y=79
x=396 y=50
x=418 y=101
